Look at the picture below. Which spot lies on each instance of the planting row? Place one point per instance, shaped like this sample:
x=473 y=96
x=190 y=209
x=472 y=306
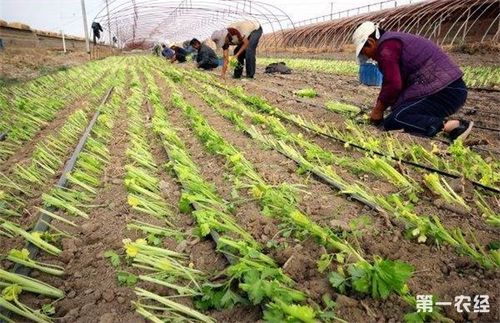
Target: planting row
x=475 y=77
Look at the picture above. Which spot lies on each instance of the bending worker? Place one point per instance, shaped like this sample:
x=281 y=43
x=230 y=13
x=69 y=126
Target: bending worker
x=421 y=84
x=206 y=57
x=179 y=54
x=245 y=35
x=167 y=52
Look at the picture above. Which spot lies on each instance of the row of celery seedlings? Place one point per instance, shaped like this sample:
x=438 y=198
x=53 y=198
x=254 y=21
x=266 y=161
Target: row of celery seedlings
x=436 y=183
x=462 y=160
x=158 y=265
x=37 y=86
x=25 y=180
x=63 y=205
x=50 y=81
x=456 y=159
x=257 y=276
x=419 y=227
x=29 y=113
x=379 y=278
x=47 y=158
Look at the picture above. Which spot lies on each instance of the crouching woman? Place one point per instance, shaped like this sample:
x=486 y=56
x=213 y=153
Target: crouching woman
x=421 y=84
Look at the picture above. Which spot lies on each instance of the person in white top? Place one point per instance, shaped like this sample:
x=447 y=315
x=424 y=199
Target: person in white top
x=245 y=35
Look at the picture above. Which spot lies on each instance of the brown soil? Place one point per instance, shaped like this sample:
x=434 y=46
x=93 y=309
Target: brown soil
x=297 y=258
x=19 y=65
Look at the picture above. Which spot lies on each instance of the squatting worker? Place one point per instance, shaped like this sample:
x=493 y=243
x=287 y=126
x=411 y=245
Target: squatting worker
x=179 y=54
x=206 y=57
x=245 y=35
x=167 y=52
x=421 y=83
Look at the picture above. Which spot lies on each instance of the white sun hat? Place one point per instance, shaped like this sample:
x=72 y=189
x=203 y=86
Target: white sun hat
x=219 y=37
x=361 y=35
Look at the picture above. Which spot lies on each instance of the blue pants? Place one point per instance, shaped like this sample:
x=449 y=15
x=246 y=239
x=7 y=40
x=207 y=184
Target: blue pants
x=425 y=116
x=248 y=55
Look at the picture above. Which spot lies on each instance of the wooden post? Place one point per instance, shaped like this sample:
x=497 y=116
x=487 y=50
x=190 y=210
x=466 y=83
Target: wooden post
x=63 y=40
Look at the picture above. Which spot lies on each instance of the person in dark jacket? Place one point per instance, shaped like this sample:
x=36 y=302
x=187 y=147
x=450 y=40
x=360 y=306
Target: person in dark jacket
x=179 y=54
x=206 y=57
x=421 y=84
x=96 y=28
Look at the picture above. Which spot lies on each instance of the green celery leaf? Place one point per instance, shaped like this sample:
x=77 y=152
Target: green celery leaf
x=338 y=281
x=114 y=258
x=126 y=279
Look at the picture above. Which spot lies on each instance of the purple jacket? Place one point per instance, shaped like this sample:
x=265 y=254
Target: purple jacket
x=425 y=68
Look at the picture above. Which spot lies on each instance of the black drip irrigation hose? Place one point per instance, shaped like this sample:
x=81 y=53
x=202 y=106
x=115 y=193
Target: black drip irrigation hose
x=484 y=89
x=331 y=183
x=213 y=234
x=44 y=220
x=486 y=128
x=430 y=169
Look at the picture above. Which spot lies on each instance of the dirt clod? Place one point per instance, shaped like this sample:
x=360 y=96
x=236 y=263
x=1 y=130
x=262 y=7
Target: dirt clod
x=343 y=300
x=71 y=316
x=107 y=318
x=108 y=295
x=89 y=227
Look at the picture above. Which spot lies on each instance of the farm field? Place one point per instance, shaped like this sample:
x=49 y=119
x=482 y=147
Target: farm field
x=155 y=192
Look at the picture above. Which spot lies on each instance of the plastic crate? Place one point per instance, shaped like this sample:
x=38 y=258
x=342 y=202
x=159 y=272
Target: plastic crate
x=370 y=75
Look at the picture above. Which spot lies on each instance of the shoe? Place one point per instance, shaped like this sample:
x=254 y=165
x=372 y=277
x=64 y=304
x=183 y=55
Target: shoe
x=462 y=131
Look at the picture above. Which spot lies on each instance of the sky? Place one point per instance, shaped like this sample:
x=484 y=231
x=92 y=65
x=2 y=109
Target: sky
x=54 y=15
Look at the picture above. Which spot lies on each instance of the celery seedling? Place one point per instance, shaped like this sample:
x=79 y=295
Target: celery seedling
x=306 y=93
x=22 y=257
x=445 y=191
